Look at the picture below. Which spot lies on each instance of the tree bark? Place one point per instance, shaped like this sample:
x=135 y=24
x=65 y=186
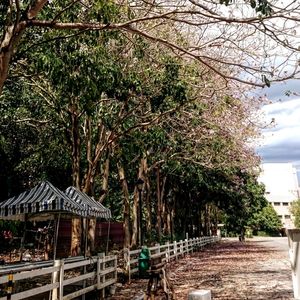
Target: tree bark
x=75 y=140
x=105 y=177
x=148 y=204
x=76 y=237
x=13 y=33
x=91 y=236
x=158 y=195
x=126 y=206
x=136 y=222
x=93 y=163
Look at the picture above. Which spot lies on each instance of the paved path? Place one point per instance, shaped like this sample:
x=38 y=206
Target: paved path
x=258 y=269
x=279 y=243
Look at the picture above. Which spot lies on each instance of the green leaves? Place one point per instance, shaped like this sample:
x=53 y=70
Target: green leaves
x=260 y=6
x=253 y=3
x=295 y=210
x=173 y=88
x=266 y=220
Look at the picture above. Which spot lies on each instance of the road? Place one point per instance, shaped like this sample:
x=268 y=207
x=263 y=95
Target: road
x=278 y=243
x=258 y=269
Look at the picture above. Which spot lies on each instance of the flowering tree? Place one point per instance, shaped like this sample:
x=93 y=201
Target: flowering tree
x=235 y=41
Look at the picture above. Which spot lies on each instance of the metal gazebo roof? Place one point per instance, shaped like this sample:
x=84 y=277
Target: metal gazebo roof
x=45 y=198
x=95 y=209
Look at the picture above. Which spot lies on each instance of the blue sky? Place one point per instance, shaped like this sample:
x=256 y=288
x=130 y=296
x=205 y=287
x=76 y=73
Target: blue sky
x=281 y=143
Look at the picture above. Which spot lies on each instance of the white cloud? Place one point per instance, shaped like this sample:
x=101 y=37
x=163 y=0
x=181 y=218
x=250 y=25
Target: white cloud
x=281 y=143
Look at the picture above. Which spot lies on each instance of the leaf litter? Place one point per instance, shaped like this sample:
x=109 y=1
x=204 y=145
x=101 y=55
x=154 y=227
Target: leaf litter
x=230 y=269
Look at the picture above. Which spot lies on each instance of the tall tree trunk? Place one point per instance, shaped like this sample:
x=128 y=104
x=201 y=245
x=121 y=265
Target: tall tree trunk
x=135 y=219
x=126 y=206
x=75 y=144
x=91 y=236
x=159 y=204
x=105 y=176
x=164 y=206
x=148 y=205
x=137 y=222
x=207 y=220
x=93 y=163
x=76 y=237
x=173 y=206
x=147 y=194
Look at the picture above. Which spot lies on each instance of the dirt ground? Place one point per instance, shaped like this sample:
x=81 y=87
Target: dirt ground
x=230 y=269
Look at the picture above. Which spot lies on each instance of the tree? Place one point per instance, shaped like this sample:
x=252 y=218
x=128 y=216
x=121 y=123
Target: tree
x=295 y=210
x=126 y=107
x=223 y=46
x=266 y=220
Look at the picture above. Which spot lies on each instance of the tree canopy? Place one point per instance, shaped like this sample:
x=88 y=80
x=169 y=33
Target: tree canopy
x=227 y=40
x=102 y=93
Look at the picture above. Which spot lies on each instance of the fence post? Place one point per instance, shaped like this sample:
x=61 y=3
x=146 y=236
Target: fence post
x=127 y=263
x=193 y=245
x=55 y=279
x=187 y=246
x=116 y=267
x=158 y=248
x=98 y=271
x=181 y=247
x=61 y=279
x=168 y=252
x=175 y=250
x=102 y=276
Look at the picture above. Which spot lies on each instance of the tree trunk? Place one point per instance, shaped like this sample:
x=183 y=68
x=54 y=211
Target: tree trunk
x=164 y=206
x=93 y=163
x=126 y=206
x=76 y=237
x=137 y=223
x=75 y=145
x=105 y=177
x=148 y=214
x=207 y=220
x=13 y=33
x=91 y=236
x=172 y=220
x=148 y=205
x=158 y=195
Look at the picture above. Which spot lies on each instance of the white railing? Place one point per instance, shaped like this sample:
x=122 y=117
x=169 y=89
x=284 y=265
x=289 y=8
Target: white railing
x=167 y=251
x=88 y=274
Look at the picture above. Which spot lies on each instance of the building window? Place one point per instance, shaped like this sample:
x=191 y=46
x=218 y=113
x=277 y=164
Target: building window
x=276 y=203
x=285 y=203
x=287 y=216
x=280 y=216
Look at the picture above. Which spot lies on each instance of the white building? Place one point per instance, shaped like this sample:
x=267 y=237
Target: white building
x=281 y=184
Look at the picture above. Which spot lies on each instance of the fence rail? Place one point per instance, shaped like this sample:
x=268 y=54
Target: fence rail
x=70 y=278
x=167 y=251
x=94 y=273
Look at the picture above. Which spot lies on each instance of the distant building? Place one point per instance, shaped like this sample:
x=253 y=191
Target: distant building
x=282 y=188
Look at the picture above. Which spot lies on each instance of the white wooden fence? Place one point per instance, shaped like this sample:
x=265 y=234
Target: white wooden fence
x=167 y=251
x=70 y=278
x=94 y=273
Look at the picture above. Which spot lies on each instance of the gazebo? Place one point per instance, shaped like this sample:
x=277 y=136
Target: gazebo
x=46 y=202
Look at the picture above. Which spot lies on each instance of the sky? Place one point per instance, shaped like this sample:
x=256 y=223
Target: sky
x=281 y=142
